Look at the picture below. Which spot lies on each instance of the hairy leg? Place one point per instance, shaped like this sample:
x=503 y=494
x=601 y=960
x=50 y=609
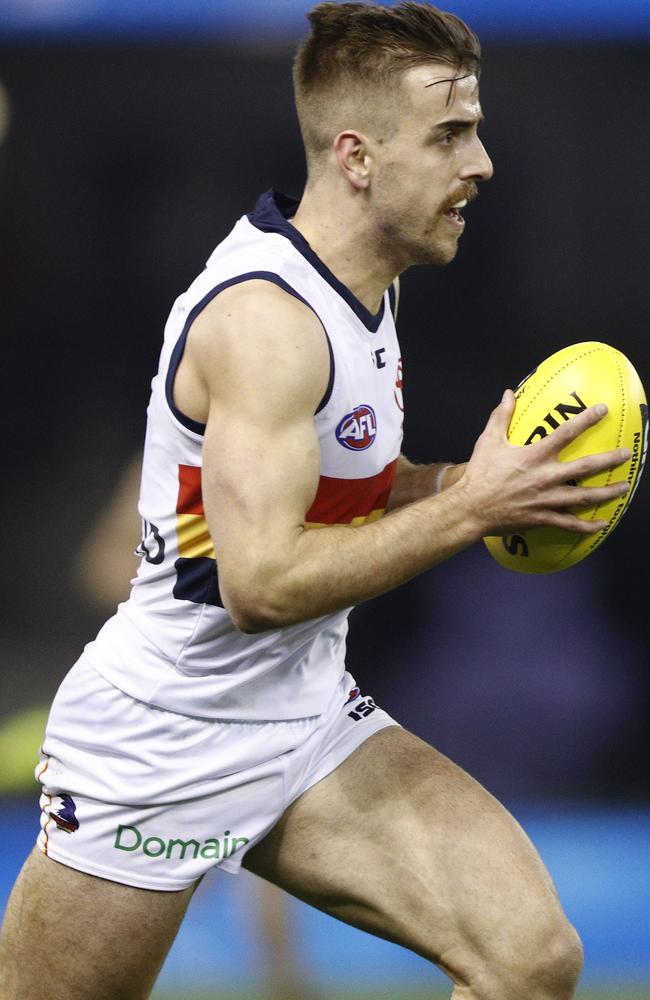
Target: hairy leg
x=401 y=842
x=71 y=936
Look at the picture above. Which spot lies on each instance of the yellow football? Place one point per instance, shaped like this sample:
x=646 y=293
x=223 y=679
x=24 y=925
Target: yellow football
x=562 y=386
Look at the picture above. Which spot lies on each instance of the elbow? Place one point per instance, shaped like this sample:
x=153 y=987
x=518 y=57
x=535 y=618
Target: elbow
x=253 y=611
x=251 y=621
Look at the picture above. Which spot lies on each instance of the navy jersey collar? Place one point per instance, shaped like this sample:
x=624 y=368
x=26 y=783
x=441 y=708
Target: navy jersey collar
x=271 y=214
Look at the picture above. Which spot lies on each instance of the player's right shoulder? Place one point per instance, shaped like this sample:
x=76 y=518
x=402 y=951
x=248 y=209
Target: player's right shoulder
x=250 y=310
x=252 y=330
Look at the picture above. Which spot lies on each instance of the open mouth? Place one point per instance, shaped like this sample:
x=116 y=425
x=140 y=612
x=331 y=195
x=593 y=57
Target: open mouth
x=453 y=213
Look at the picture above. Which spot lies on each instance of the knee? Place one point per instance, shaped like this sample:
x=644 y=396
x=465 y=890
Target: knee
x=544 y=964
x=549 y=965
x=557 y=966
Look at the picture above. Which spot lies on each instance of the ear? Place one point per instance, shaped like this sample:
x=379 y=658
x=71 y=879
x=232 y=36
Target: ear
x=351 y=149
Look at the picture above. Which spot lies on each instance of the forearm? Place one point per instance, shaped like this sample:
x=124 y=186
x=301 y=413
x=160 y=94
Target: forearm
x=273 y=572
x=327 y=569
x=414 y=482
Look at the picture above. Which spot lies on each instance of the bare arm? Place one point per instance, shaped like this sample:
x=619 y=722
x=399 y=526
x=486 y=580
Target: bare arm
x=264 y=361
x=106 y=561
x=414 y=482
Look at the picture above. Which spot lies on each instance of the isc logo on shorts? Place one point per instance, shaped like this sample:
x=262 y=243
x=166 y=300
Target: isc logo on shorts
x=358 y=429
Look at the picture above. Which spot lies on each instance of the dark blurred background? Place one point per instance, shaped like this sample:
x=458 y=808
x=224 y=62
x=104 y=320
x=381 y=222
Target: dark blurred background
x=129 y=151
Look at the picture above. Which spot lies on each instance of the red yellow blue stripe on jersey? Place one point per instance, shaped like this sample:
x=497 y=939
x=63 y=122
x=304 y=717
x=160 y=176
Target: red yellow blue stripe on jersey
x=191 y=526
x=351 y=501
x=337 y=501
x=196 y=567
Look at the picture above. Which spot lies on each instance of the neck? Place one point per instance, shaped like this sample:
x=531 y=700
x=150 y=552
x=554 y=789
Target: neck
x=336 y=224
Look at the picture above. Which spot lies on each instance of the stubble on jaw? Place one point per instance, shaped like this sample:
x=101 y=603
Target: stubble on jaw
x=401 y=239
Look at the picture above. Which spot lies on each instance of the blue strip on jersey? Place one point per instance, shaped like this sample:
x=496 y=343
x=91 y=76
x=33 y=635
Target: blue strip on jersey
x=271 y=214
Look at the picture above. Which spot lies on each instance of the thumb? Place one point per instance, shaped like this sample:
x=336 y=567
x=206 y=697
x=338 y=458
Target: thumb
x=502 y=414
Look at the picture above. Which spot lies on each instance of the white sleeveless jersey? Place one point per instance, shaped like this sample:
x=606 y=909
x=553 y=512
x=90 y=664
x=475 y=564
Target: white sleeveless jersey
x=173 y=644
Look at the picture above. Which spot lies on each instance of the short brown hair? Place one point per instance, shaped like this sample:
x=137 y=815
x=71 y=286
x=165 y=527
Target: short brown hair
x=353 y=47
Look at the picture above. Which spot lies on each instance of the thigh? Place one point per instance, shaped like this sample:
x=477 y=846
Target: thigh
x=67 y=934
x=401 y=842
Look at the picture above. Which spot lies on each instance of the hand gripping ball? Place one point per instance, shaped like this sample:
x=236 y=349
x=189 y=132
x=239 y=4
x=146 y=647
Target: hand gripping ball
x=566 y=383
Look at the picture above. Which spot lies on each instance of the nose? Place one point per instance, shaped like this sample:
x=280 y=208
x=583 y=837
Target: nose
x=479 y=165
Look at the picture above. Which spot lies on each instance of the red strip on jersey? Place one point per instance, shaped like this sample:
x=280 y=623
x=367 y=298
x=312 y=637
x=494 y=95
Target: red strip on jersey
x=340 y=501
x=190 y=498
x=337 y=501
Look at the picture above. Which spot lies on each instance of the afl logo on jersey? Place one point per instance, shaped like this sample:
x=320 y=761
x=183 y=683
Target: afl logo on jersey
x=358 y=429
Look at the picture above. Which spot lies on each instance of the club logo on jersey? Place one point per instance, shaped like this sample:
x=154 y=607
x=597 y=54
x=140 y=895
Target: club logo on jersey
x=358 y=429
x=399 y=386
x=62 y=810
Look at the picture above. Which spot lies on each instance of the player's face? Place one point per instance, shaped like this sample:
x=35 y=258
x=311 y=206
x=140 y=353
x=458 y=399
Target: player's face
x=430 y=164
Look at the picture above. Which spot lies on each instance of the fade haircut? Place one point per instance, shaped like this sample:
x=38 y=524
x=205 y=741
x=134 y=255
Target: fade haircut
x=352 y=60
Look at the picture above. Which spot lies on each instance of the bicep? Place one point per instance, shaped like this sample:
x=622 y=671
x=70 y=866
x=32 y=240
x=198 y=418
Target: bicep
x=259 y=476
x=265 y=363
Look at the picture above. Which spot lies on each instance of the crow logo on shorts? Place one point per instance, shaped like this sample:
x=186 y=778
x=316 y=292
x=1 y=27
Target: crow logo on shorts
x=62 y=810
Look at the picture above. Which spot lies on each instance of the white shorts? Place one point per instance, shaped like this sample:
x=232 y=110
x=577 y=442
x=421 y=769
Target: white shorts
x=152 y=799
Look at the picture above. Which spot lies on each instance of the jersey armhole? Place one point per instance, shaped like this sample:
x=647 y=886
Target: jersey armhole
x=179 y=348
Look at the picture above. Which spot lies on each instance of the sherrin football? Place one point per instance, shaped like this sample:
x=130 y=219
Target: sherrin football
x=562 y=386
